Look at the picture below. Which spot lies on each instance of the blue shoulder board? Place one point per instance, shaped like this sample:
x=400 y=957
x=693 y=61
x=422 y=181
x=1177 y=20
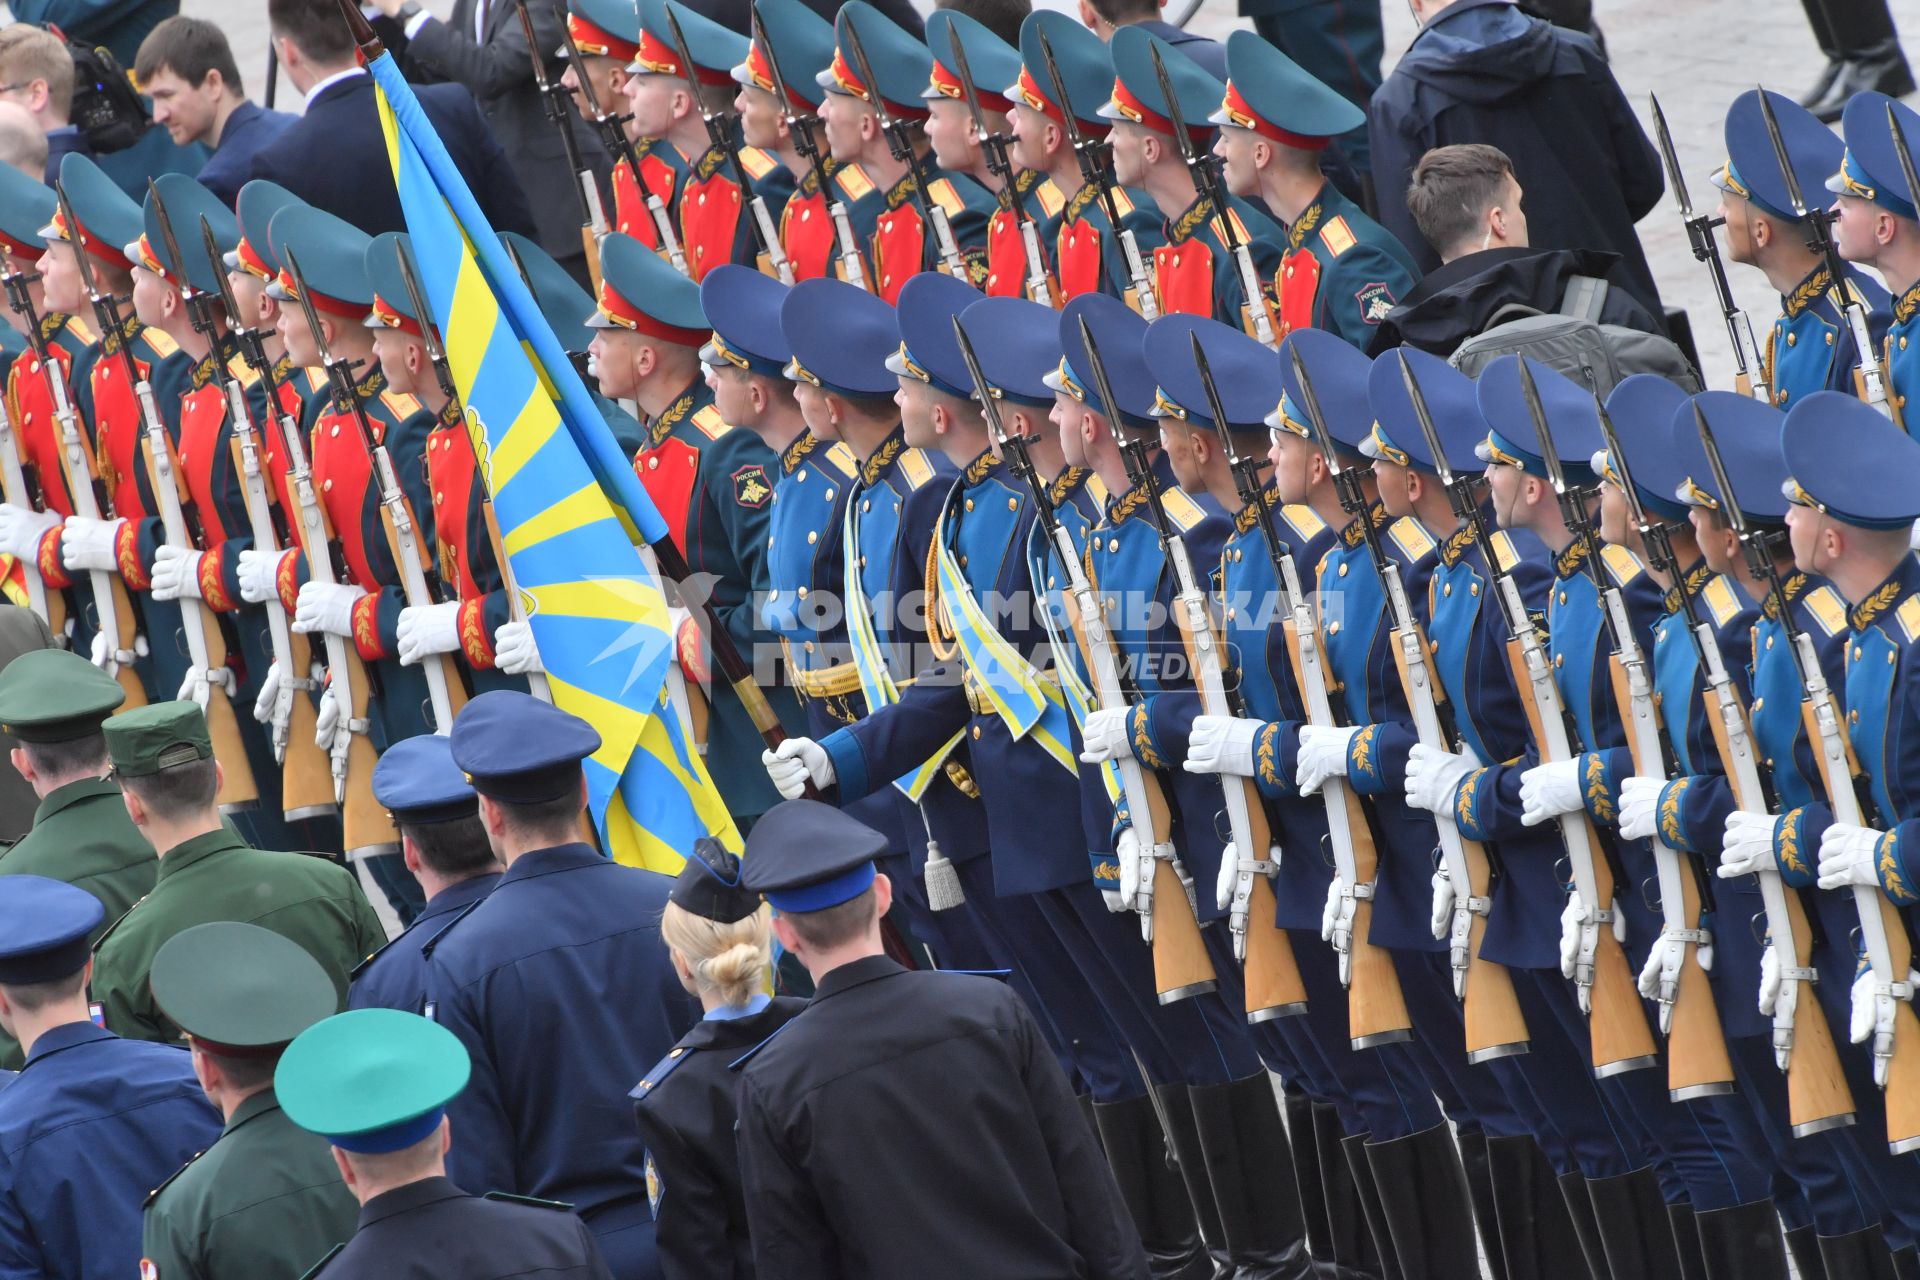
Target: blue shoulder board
x=661 y=1070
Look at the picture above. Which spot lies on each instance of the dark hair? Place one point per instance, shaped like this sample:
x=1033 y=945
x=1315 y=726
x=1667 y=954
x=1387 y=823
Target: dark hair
x=246 y=1075
x=1002 y=17
x=314 y=26
x=191 y=48
x=178 y=793
x=1452 y=189
x=64 y=759
x=31 y=997
x=837 y=925
x=1121 y=12
x=558 y=820
x=454 y=849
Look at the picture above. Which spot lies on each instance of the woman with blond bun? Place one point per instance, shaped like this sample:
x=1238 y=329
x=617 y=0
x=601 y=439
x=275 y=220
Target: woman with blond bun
x=719 y=937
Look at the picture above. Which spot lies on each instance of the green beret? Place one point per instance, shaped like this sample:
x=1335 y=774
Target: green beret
x=371 y=1080
x=158 y=736
x=239 y=989
x=51 y=695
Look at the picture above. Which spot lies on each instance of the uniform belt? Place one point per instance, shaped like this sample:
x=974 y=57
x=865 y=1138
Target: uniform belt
x=836 y=681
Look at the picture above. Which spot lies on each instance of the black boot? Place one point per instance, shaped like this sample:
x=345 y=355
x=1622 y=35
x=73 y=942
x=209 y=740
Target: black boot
x=1475 y=1162
x=1586 y=1226
x=1251 y=1169
x=1823 y=83
x=1305 y=1145
x=1378 y=1227
x=1906 y=1263
x=1859 y=1255
x=1803 y=1245
x=1880 y=66
x=1743 y=1243
x=1429 y=1210
x=1151 y=1189
x=1633 y=1227
x=1686 y=1240
x=1183 y=1135
x=1353 y=1249
x=1534 y=1237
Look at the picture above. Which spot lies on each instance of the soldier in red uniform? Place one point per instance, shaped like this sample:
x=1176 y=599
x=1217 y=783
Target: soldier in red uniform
x=714 y=224
x=956 y=145
x=1082 y=240
x=885 y=205
x=713 y=484
x=607 y=34
x=805 y=43
x=1193 y=272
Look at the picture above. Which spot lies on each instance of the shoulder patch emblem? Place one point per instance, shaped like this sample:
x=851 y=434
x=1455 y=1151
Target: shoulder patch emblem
x=161 y=341
x=1825 y=608
x=756 y=162
x=1301 y=519
x=750 y=487
x=1051 y=201
x=1375 y=300
x=401 y=403
x=1624 y=565
x=842 y=458
x=1098 y=491
x=1909 y=618
x=941 y=191
x=655 y=1188
x=1504 y=551
x=1411 y=537
x=710 y=422
x=915 y=467
x=82 y=330
x=853 y=180
x=1122 y=203
x=1337 y=236
x=1182 y=509
x=1720 y=600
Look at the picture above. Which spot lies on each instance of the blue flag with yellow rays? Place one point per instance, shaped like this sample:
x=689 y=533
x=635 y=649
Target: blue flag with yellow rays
x=570 y=507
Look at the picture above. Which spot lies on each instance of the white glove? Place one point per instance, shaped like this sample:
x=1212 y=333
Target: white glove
x=1331 y=914
x=1336 y=926
x=1771 y=988
x=428 y=629
x=1126 y=849
x=1442 y=921
x=1639 y=803
x=1106 y=736
x=1434 y=777
x=1222 y=744
x=1660 y=975
x=1573 y=918
x=1549 y=790
x=21 y=531
x=326 y=606
x=1748 y=846
x=269 y=694
x=514 y=651
x=795 y=763
x=326 y=719
x=1223 y=884
x=90 y=544
x=259 y=573
x=198 y=688
x=176 y=573
x=1322 y=755
x=1848 y=855
x=1873 y=1019
x=1115 y=903
x=102 y=653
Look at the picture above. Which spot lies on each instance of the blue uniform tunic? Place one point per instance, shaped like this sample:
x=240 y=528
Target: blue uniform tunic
x=395 y=976
x=1810 y=347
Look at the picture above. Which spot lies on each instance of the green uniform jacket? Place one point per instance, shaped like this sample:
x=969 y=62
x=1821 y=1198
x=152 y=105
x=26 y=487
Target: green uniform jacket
x=82 y=835
x=265 y=1201
x=218 y=876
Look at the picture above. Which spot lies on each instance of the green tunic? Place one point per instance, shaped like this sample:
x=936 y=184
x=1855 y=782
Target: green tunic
x=218 y=876
x=81 y=834
x=265 y=1201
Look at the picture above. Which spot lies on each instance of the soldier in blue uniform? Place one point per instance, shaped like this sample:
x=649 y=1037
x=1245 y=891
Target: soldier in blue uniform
x=1193 y=272
x=1081 y=240
x=1879 y=227
x=887 y=217
x=720 y=937
x=1810 y=346
x=861 y=1151
x=1342 y=271
x=378 y=1085
x=93 y=1122
x=560 y=963
x=712 y=484
x=436 y=813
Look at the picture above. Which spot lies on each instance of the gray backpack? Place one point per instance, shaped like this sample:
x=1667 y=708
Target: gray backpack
x=1574 y=343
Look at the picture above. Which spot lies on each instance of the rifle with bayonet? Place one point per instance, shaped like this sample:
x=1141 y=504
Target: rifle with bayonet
x=409 y=553
x=1097 y=173
x=1803 y=1046
x=901 y=144
x=613 y=135
x=1870 y=381
x=1697 y=1061
x=993 y=146
x=1749 y=375
x=553 y=100
x=1376 y=1006
x=114 y=611
x=1608 y=994
x=800 y=126
x=1495 y=1026
x=1907 y=171
x=720 y=132
x=443 y=373
x=1206 y=181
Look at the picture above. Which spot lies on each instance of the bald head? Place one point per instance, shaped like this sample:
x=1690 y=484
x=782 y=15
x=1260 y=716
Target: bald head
x=22 y=143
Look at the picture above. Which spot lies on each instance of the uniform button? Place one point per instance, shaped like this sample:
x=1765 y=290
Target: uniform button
x=327 y=487
x=335 y=430
x=772 y=596
x=1559 y=660
x=1757 y=704
x=1856 y=653
x=653 y=464
x=1013 y=504
x=1768 y=762
x=809 y=646
x=1333 y=628
x=963 y=562
x=1343 y=569
x=805 y=214
x=1473 y=588
x=1853 y=717
x=1113 y=544
x=976 y=733
x=1769 y=642
x=438 y=497
x=1050 y=581
x=1903 y=342
x=1793 y=339
x=1829 y=339
x=801 y=475
x=812 y=537
x=829 y=493
x=802 y=593
x=1112 y=604
x=1229 y=614
x=769 y=544
x=863 y=562
x=1446 y=589
x=866 y=505
x=969 y=504
x=33 y=366
x=1563 y=597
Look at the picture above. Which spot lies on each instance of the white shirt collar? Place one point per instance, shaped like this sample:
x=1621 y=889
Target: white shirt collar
x=332 y=80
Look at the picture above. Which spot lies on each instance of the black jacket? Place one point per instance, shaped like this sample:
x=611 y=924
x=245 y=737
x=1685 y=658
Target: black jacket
x=1482 y=71
x=1454 y=302
x=432 y=1228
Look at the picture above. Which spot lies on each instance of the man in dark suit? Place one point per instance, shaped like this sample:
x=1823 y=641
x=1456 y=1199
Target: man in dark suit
x=334 y=157
x=483 y=46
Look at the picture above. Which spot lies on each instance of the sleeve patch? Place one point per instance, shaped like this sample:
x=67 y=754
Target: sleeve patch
x=1338 y=237
x=1825 y=608
x=1375 y=300
x=1624 y=565
x=750 y=487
